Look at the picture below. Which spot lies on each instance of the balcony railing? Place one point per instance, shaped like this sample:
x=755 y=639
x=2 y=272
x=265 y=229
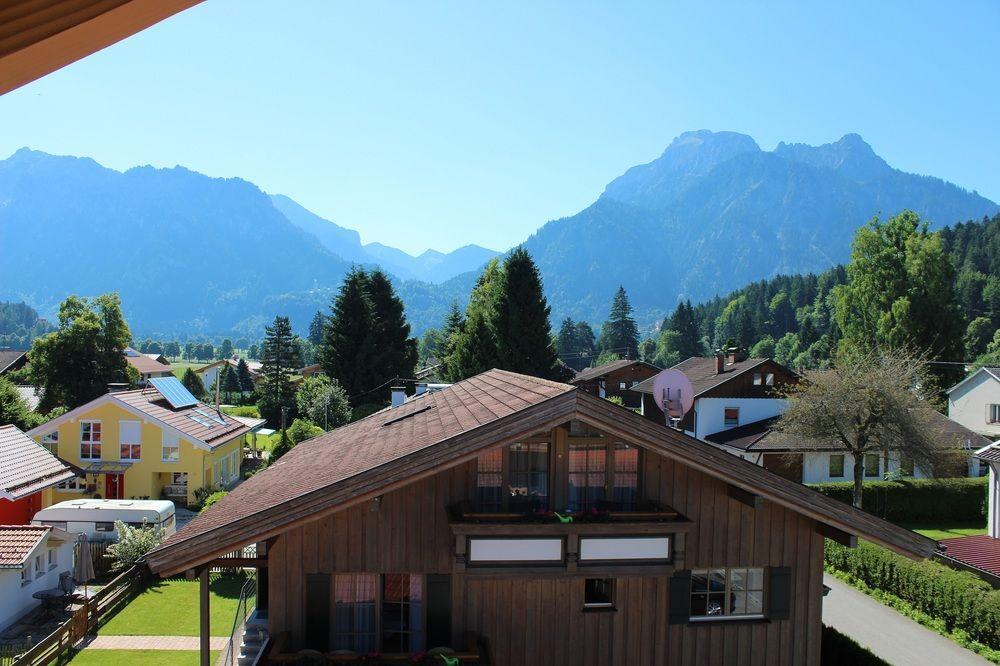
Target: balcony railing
x=476 y=651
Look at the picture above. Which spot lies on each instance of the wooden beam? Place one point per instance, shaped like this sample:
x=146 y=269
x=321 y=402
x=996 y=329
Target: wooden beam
x=752 y=500
x=237 y=562
x=841 y=537
x=205 y=610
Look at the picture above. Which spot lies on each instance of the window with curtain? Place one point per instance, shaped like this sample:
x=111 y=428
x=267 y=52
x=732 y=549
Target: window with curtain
x=402 y=613
x=625 y=489
x=130 y=440
x=355 y=602
x=603 y=475
x=90 y=440
x=489 y=481
x=528 y=470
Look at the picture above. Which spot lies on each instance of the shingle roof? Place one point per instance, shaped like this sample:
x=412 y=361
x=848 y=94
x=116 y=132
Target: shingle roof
x=17 y=542
x=438 y=430
x=593 y=373
x=9 y=357
x=149 y=401
x=146 y=365
x=701 y=371
x=26 y=466
x=761 y=436
x=980 y=551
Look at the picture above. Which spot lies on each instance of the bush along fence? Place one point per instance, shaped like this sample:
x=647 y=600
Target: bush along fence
x=916 y=500
x=840 y=650
x=961 y=600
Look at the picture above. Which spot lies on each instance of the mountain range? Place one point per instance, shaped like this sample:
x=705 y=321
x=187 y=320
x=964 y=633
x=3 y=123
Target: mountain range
x=195 y=254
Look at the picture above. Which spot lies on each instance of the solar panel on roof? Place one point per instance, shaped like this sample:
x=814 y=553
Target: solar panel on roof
x=173 y=392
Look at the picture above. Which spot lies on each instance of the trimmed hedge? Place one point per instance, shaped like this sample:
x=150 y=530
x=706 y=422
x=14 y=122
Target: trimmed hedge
x=961 y=600
x=916 y=500
x=841 y=650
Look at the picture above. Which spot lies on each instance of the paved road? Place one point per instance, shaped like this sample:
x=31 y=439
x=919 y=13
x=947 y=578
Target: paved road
x=893 y=637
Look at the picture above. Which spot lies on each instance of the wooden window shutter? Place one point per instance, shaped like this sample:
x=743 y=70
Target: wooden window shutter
x=438 y=610
x=317 y=615
x=780 y=593
x=680 y=598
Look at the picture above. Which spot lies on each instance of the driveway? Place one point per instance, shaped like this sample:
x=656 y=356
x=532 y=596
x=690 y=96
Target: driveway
x=893 y=637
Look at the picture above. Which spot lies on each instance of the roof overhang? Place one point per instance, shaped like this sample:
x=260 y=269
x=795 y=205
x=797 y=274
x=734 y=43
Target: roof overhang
x=181 y=552
x=37 y=38
x=988 y=371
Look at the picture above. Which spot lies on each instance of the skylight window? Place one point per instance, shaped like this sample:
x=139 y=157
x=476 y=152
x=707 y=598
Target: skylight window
x=211 y=416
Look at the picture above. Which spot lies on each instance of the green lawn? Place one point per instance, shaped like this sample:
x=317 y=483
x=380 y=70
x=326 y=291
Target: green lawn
x=947 y=531
x=180 y=366
x=132 y=657
x=170 y=608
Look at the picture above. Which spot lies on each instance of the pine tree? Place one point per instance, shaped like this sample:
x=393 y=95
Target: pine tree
x=566 y=344
x=348 y=352
x=278 y=359
x=684 y=322
x=231 y=384
x=475 y=347
x=395 y=350
x=524 y=334
x=316 y=327
x=192 y=382
x=244 y=377
x=620 y=334
x=586 y=343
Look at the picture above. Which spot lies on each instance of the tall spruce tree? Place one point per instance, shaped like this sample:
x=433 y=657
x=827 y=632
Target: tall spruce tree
x=524 y=334
x=395 y=350
x=586 y=343
x=244 y=377
x=278 y=358
x=684 y=322
x=316 y=328
x=348 y=352
x=620 y=334
x=566 y=344
x=475 y=347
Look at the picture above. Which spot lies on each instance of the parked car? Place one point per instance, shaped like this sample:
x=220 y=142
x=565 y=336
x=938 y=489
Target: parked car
x=96 y=517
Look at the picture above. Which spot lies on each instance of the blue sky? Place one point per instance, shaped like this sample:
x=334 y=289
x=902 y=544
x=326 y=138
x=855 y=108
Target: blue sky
x=440 y=124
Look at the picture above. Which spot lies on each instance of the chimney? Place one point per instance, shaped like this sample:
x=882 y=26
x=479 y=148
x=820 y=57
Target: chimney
x=720 y=362
x=398 y=396
x=736 y=354
x=421 y=388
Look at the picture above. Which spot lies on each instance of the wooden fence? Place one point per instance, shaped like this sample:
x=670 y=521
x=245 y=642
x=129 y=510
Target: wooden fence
x=98 y=555
x=84 y=620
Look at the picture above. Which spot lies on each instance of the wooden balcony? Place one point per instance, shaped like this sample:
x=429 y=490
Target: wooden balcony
x=648 y=540
x=476 y=651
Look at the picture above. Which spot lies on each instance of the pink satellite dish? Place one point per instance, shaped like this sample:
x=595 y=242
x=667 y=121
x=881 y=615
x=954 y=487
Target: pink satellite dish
x=673 y=393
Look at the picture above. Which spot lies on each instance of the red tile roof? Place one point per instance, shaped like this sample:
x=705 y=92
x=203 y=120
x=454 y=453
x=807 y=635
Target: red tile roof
x=981 y=551
x=26 y=466
x=17 y=542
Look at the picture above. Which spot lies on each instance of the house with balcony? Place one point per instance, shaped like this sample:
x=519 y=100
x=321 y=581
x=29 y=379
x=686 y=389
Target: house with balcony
x=149 y=443
x=616 y=379
x=509 y=520
x=29 y=474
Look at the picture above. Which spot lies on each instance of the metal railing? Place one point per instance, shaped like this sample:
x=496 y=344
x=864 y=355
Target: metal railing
x=244 y=609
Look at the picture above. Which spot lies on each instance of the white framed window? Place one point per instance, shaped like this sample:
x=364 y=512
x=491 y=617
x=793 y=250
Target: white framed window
x=50 y=440
x=724 y=593
x=130 y=440
x=171 y=447
x=25 y=575
x=993 y=413
x=621 y=385
x=53 y=558
x=90 y=440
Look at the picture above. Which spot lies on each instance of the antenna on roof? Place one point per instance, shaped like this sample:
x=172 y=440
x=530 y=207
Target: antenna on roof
x=673 y=393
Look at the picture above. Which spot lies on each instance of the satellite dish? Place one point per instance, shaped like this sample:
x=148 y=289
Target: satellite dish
x=673 y=393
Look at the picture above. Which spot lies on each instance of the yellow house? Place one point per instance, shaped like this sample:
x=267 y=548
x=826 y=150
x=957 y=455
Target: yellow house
x=137 y=444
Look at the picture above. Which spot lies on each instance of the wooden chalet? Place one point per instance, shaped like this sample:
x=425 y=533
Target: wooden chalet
x=616 y=379
x=522 y=521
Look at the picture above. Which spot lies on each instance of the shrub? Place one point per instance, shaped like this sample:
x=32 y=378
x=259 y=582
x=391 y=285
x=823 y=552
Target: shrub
x=301 y=430
x=961 y=600
x=916 y=500
x=201 y=494
x=248 y=411
x=364 y=410
x=132 y=545
x=212 y=499
x=839 y=650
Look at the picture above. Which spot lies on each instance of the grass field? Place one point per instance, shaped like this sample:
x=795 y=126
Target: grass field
x=180 y=366
x=947 y=531
x=170 y=608
x=132 y=657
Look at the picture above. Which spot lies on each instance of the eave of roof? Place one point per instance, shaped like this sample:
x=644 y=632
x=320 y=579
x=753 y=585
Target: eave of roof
x=991 y=371
x=208 y=537
x=588 y=374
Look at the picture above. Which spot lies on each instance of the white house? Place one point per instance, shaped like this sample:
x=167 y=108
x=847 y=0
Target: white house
x=32 y=558
x=990 y=455
x=210 y=373
x=975 y=402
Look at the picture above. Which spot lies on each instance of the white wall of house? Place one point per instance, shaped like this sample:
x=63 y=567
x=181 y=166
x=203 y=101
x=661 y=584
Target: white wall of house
x=209 y=376
x=15 y=595
x=816 y=467
x=710 y=412
x=969 y=404
x=992 y=510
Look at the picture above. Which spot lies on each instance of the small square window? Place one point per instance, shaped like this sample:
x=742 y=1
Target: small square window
x=622 y=385
x=836 y=465
x=732 y=416
x=599 y=593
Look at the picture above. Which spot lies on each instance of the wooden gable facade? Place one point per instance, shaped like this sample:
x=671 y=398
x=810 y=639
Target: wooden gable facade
x=676 y=552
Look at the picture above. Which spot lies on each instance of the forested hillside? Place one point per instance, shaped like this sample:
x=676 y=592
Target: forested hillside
x=19 y=325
